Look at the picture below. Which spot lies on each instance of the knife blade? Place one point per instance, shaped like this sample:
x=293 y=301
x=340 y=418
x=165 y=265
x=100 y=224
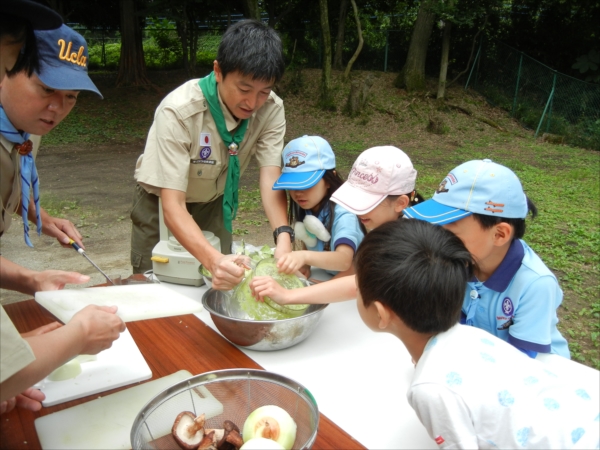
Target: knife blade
x=82 y=253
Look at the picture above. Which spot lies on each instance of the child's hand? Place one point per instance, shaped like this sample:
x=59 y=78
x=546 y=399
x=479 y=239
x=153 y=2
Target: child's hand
x=262 y=287
x=292 y=262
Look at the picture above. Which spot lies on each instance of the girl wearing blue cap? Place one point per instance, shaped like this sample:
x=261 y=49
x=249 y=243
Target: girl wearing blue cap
x=330 y=234
x=380 y=186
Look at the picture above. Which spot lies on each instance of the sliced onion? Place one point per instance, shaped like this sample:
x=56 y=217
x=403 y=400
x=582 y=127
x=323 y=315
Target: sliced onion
x=271 y=422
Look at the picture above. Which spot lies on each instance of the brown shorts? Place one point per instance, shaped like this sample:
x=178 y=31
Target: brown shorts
x=145 y=232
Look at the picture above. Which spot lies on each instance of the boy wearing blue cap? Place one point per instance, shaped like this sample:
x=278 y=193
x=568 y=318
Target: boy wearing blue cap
x=513 y=295
x=34 y=103
x=310 y=178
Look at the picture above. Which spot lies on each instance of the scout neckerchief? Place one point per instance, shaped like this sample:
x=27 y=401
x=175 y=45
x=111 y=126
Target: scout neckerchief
x=208 y=85
x=29 y=176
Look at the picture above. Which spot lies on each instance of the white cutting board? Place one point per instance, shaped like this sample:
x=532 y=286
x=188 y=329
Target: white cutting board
x=120 y=365
x=105 y=423
x=135 y=302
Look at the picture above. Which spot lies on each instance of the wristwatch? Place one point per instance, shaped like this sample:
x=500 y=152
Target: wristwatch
x=284 y=229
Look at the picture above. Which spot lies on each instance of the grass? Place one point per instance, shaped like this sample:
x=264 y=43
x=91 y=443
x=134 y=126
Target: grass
x=563 y=181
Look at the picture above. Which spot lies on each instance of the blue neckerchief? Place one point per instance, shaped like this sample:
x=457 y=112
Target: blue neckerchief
x=29 y=176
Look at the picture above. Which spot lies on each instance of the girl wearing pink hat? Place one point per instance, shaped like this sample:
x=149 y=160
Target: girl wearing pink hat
x=380 y=186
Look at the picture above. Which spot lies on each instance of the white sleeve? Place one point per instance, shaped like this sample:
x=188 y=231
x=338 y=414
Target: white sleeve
x=444 y=414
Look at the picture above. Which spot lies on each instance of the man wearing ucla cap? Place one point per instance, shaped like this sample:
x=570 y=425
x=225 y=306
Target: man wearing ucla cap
x=513 y=294
x=32 y=104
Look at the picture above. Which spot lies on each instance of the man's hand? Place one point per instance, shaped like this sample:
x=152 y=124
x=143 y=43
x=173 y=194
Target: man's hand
x=284 y=245
x=52 y=280
x=262 y=287
x=228 y=271
x=31 y=399
x=61 y=229
x=99 y=326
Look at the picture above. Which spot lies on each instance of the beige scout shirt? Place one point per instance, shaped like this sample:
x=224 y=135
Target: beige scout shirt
x=185 y=152
x=10 y=180
x=15 y=352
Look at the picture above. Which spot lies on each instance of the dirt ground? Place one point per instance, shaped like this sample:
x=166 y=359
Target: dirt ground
x=103 y=191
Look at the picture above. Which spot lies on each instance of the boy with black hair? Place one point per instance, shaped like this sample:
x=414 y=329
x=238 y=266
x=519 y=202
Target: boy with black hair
x=512 y=294
x=202 y=138
x=469 y=389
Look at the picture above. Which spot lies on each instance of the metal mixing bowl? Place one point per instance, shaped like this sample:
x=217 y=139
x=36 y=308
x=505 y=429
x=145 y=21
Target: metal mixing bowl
x=262 y=335
x=225 y=395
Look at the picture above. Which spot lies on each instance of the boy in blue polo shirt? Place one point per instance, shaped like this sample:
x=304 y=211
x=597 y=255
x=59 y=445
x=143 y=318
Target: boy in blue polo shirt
x=513 y=295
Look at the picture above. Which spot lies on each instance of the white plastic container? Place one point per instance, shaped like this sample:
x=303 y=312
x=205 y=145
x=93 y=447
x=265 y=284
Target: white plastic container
x=172 y=263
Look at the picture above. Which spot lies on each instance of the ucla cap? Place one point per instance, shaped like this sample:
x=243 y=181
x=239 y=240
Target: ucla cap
x=64 y=60
x=376 y=173
x=480 y=187
x=40 y=16
x=305 y=161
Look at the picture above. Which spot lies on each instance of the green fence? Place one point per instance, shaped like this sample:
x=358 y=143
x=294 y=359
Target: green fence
x=541 y=98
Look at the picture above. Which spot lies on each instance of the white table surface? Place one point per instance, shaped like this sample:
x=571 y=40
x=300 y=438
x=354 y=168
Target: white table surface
x=359 y=378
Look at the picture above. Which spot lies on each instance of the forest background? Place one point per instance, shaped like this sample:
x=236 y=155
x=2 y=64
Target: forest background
x=359 y=73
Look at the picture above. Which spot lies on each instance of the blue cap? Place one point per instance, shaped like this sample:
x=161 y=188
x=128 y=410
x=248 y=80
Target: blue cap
x=480 y=187
x=305 y=161
x=64 y=60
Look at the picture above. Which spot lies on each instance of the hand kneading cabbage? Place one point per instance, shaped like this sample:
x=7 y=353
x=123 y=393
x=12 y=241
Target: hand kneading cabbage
x=269 y=310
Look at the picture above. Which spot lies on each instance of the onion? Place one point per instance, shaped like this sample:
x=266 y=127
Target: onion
x=271 y=422
x=261 y=444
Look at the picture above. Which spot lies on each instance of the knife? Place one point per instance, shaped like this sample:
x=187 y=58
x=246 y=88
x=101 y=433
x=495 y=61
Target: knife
x=82 y=253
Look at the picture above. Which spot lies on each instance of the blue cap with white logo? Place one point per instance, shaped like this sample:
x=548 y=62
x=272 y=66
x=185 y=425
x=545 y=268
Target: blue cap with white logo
x=480 y=187
x=64 y=60
x=305 y=161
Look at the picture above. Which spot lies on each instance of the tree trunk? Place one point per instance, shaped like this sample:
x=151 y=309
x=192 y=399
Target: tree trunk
x=359 y=94
x=360 y=40
x=132 y=67
x=193 y=37
x=412 y=76
x=182 y=31
x=444 y=63
x=326 y=100
x=251 y=9
x=339 y=42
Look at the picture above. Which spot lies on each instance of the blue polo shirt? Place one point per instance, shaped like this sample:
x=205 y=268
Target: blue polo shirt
x=518 y=303
x=345 y=229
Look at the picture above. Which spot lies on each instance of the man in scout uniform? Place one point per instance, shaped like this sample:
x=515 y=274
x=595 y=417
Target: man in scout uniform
x=35 y=102
x=202 y=138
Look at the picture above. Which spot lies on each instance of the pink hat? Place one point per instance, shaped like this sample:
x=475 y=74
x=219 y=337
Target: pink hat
x=377 y=173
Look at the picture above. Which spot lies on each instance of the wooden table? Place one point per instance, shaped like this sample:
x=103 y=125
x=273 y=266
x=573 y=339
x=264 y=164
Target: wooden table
x=165 y=344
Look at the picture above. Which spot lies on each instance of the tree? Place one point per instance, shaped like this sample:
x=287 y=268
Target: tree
x=447 y=24
x=412 y=76
x=326 y=99
x=132 y=67
x=339 y=42
x=251 y=9
x=278 y=9
x=360 y=40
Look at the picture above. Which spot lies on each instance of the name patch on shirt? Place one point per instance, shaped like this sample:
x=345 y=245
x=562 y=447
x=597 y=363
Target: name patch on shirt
x=212 y=162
